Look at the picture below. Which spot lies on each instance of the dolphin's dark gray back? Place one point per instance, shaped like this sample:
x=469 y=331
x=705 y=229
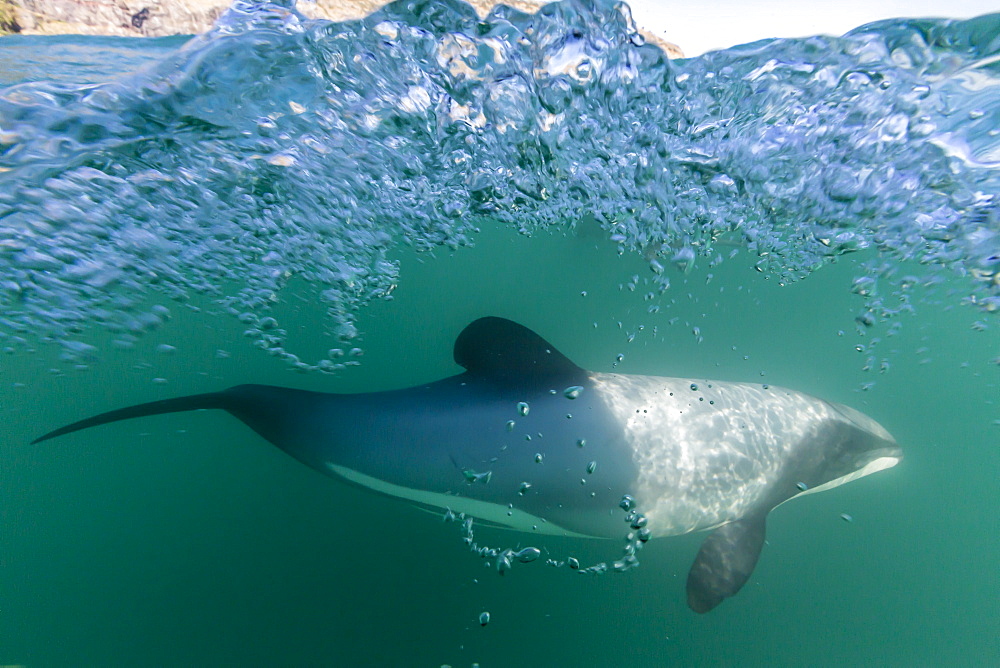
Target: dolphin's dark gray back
x=509 y=357
x=437 y=437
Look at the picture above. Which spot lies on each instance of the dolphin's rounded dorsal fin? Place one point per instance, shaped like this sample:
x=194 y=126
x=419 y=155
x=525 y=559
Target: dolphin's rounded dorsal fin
x=502 y=350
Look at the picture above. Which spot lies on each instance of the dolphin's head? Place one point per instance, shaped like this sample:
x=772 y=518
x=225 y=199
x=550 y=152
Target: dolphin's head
x=853 y=446
x=874 y=441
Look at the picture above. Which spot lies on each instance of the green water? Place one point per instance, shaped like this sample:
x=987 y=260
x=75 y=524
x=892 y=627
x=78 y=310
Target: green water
x=286 y=168
x=187 y=540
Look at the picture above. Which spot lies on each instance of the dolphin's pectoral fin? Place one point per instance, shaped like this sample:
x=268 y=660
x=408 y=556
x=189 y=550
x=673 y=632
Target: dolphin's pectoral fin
x=725 y=562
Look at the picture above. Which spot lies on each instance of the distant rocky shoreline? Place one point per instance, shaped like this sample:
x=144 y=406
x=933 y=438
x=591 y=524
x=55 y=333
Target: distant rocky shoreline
x=159 y=18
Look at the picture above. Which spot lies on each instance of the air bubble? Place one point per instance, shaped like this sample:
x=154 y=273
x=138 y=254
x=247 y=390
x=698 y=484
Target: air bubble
x=863 y=286
x=503 y=565
x=474 y=477
x=528 y=554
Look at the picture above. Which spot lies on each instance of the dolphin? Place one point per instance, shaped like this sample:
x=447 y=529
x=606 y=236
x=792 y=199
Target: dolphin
x=511 y=439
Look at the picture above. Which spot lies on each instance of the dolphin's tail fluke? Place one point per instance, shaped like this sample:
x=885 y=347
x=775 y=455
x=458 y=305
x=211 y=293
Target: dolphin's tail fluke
x=225 y=400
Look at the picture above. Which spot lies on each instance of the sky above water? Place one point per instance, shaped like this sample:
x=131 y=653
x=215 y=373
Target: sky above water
x=698 y=27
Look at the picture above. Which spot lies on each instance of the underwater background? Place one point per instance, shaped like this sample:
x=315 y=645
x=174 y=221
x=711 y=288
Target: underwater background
x=326 y=206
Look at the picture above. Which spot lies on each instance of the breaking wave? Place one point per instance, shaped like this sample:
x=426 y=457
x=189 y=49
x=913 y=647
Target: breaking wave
x=276 y=148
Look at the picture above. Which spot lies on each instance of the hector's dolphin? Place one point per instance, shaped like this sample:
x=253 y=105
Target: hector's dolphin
x=511 y=439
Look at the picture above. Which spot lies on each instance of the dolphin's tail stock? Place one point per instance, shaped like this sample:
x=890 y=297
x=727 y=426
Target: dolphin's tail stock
x=190 y=403
x=240 y=401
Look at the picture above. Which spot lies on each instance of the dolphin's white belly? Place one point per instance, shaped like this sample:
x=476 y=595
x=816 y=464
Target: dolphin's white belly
x=706 y=451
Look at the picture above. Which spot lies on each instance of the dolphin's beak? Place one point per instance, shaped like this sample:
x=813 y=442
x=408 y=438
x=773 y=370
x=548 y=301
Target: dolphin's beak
x=887 y=453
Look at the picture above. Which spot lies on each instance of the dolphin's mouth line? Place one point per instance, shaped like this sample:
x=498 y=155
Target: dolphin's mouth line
x=877 y=464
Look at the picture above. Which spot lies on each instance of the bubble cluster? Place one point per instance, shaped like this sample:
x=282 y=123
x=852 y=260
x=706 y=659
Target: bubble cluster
x=276 y=149
x=504 y=558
